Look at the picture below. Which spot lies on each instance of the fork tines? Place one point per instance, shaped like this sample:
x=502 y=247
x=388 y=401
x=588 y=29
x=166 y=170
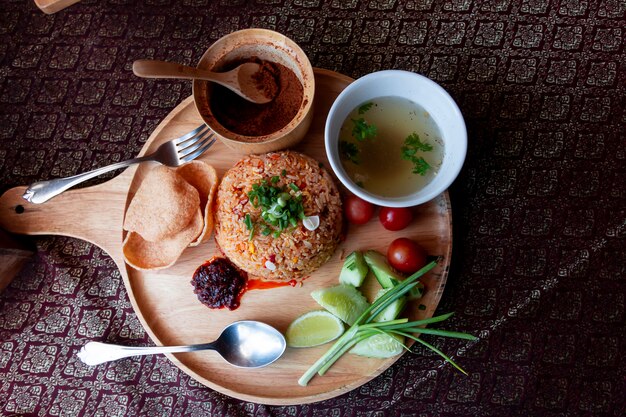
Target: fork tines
x=194 y=143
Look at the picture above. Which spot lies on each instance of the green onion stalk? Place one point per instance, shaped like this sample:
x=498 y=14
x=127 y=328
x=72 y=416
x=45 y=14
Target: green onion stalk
x=364 y=327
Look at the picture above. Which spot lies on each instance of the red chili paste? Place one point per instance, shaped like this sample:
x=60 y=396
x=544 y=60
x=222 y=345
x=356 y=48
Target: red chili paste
x=250 y=119
x=218 y=283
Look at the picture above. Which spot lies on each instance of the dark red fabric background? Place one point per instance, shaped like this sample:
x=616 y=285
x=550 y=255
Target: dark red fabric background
x=539 y=209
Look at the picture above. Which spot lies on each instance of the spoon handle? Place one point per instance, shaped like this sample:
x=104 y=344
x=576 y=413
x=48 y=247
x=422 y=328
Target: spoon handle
x=95 y=353
x=147 y=68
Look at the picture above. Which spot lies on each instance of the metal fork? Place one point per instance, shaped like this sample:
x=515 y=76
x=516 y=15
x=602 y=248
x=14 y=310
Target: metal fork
x=172 y=153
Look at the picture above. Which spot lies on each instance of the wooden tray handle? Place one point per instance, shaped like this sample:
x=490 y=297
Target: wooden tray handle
x=94 y=214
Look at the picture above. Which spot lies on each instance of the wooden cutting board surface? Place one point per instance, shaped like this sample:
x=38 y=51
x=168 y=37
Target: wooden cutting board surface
x=164 y=300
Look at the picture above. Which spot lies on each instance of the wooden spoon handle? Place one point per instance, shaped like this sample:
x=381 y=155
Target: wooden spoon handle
x=147 y=68
x=53 y=6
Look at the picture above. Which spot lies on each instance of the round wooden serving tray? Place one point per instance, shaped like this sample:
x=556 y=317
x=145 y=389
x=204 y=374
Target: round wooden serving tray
x=164 y=300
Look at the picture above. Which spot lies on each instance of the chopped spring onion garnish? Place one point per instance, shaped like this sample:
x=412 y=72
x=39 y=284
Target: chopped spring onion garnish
x=364 y=328
x=280 y=207
x=248 y=222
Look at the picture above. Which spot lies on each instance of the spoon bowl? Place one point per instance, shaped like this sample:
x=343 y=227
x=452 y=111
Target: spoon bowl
x=248 y=80
x=244 y=344
x=250 y=344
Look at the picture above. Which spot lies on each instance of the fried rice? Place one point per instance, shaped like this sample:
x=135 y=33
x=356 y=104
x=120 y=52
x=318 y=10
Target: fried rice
x=296 y=251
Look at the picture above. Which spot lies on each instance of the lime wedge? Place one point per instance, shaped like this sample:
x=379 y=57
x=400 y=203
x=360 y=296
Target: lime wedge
x=344 y=301
x=379 y=346
x=313 y=328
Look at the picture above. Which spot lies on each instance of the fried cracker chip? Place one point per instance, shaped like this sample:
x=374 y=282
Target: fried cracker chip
x=142 y=254
x=203 y=178
x=164 y=204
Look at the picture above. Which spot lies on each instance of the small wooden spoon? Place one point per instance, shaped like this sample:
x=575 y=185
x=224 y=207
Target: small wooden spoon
x=243 y=80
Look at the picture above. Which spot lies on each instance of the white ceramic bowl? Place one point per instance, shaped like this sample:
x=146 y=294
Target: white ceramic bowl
x=426 y=93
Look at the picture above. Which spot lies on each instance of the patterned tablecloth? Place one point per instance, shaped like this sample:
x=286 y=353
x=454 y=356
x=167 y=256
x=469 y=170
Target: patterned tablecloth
x=539 y=209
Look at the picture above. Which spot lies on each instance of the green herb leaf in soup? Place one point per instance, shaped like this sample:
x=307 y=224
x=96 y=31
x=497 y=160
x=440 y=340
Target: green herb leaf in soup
x=411 y=152
x=362 y=130
x=363 y=108
x=391 y=146
x=349 y=151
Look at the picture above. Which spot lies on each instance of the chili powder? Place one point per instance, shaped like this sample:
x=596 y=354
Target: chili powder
x=250 y=119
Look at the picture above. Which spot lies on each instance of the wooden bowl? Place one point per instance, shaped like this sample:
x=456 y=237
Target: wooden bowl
x=266 y=45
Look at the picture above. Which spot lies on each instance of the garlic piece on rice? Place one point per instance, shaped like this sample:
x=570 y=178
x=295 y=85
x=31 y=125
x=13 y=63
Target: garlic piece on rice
x=311 y=222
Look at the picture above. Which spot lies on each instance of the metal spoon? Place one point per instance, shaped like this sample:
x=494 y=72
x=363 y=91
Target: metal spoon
x=240 y=80
x=245 y=344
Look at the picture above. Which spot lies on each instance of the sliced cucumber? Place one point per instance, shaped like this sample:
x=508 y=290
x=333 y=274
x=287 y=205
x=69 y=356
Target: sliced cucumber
x=379 y=346
x=385 y=275
x=344 y=301
x=393 y=310
x=354 y=270
x=416 y=292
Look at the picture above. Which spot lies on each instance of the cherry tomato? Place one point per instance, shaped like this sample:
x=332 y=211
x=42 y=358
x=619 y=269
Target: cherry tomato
x=395 y=218
x=406 y=255
x=358 y=211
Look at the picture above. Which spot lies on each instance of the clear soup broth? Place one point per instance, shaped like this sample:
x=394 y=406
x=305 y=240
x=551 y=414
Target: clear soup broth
x=390 y=146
